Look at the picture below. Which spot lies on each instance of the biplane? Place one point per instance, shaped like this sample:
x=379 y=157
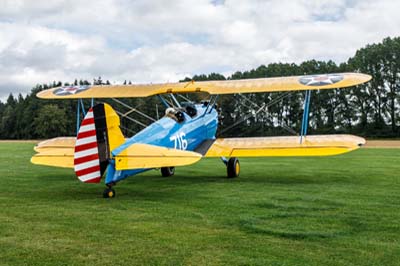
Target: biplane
x=185 y=134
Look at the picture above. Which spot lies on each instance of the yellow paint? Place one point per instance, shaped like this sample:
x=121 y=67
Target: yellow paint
x=139 y=156
x=56 y=143
x=237 y=168
x=58 y=157
x=212 y=87
x=322 y=145
x=307 y=151
x=59 y=151
x=115 y=136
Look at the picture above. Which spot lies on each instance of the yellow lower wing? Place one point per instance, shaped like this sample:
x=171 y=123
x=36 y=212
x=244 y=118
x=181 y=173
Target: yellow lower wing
x=139 y=156
x=58 y=152
x=284 y=146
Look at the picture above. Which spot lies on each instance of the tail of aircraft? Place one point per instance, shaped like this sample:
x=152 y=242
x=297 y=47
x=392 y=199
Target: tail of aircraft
x=98 y=135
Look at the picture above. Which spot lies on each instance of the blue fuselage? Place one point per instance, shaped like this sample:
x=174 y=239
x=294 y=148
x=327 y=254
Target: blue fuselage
x=166 y=132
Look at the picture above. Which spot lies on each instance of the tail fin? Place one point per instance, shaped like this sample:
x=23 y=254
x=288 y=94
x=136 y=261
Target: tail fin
x=98 y=135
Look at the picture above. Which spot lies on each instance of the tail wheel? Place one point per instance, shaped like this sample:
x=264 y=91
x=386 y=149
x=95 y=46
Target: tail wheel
x=108 y=193
x=167 y=171
x=233 y=167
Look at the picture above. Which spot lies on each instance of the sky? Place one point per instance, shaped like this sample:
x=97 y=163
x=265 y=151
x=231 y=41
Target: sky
x=145 y=41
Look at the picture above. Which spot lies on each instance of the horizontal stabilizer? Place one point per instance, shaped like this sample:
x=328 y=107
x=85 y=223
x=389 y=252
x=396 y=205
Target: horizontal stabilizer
x=58 y=152
x=56 y=143
x=138 y=156
x=318 y=145
x=275 y=84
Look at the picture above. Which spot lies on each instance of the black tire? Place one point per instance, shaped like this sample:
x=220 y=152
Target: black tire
x=233 y=167
x=167 y=171
x=108 y=193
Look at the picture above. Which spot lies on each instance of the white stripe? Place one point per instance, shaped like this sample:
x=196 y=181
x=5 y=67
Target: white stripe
x=86 y=140
x=87 y=177
x=86 y=165
x=85 y=128
x=89 y=115
x=85 y=153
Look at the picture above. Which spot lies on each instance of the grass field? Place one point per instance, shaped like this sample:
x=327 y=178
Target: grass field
x=342 y=210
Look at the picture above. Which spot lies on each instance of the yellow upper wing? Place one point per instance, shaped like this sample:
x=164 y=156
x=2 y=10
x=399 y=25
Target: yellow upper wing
x=312 y=82
x=317 y=145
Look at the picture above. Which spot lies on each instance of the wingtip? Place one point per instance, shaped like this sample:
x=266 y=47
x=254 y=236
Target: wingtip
x=361 y=142
x=369 y=77
x=364 y=77
x=40 y=94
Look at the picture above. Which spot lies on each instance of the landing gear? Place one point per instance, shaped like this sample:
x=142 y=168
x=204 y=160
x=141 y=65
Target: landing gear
x=109 y=192
x=167 y=171
x=233 y=167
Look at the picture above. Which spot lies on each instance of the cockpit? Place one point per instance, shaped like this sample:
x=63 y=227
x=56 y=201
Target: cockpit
x=189 y=108
x=177 y=113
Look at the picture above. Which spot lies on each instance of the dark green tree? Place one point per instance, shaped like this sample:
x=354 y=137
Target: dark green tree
x=51 y=121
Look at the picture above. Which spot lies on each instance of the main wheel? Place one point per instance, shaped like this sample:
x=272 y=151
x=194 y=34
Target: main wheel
x=108 y=193
x=167 y=171
x=233 y=167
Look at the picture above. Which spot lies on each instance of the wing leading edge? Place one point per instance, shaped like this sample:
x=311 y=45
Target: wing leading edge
x=293 y=83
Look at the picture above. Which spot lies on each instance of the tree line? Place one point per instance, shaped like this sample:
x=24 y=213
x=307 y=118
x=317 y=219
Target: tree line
x=369 y=110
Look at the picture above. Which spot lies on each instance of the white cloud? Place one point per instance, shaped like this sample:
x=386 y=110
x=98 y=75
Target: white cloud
x=153 y=41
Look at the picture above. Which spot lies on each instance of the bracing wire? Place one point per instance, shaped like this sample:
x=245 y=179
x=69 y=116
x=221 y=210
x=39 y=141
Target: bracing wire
x=134 y=110
x=261 y=108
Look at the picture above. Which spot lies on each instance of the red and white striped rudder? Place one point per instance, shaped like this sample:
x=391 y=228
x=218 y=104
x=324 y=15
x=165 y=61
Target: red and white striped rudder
x=98 y=135
x=86 y=157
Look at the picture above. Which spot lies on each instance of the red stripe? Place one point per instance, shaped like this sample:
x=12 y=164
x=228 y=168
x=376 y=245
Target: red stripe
x=86 y=146
x=86 y=159
x=88 y=170
x=94 y=180
x=87 y=121
x=86 y=134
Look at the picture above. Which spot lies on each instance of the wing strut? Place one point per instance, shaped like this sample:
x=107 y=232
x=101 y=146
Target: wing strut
x=80 y=106
x=163 y=101
x=78 y=117
x=175 y=100
x=211 y=103
x=304 y=123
